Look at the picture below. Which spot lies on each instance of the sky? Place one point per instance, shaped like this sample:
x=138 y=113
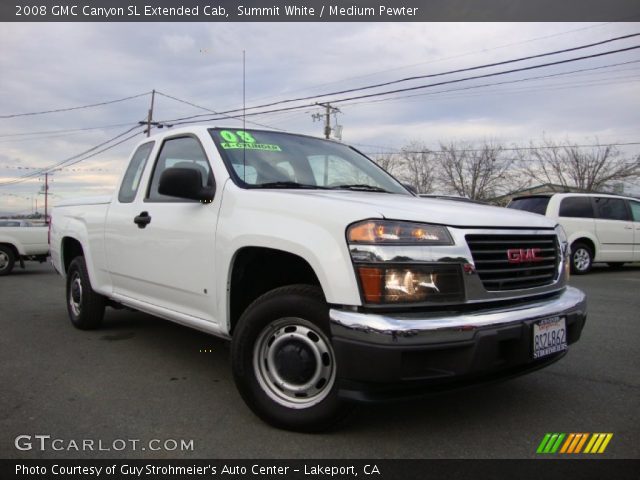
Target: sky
x=61 y=65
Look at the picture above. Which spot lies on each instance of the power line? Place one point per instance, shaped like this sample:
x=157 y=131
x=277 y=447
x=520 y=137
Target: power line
x=475 y=52
x=61 y=169
x=108 y=102
x=213 y=111
x=69 y=161
x=472 y=87
x=460 y=70
x=180 y=121
x=487 y=75
x=71 y=130
x=477 y=67
x=506 y=149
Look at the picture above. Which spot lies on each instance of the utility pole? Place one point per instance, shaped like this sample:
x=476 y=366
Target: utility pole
x=46 y=198
x=327 y=117
x=150 y=114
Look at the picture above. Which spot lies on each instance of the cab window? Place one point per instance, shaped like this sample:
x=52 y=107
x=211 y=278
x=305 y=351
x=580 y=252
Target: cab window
x=181 y=152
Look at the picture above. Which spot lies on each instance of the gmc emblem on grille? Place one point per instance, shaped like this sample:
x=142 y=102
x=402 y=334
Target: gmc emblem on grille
x=522 y=255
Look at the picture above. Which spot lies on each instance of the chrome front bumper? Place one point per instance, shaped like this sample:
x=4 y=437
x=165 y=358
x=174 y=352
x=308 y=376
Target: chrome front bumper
x=421 y=328
x=390 y=356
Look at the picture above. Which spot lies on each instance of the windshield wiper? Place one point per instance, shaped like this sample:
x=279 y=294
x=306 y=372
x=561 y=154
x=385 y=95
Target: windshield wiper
x=361 y=186
x=288 y=184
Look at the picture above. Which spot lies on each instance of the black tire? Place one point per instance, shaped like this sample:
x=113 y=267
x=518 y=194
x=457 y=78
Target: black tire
x=7 y=260
x=282 y=345
x=581 y=258
x=85 y=307
x=615 y=265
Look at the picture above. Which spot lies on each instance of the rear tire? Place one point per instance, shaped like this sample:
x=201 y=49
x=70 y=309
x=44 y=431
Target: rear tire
x=581 y=258
x=85 y=307
x=283 y=361
x=7 y=260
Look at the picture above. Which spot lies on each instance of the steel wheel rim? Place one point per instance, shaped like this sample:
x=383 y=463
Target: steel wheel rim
x=4 y=260
x=294 y=333
x=75 y=294
x=581 y=259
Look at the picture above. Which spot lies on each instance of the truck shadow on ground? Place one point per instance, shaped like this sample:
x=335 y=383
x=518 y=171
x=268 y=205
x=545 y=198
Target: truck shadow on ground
x=603 y=268
x=196 y=355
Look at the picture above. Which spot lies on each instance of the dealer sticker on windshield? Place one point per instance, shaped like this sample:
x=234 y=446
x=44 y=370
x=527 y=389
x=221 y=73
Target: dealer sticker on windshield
x=549 y=336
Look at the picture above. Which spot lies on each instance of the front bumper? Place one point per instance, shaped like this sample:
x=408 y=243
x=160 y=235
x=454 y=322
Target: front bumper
x=382 y=356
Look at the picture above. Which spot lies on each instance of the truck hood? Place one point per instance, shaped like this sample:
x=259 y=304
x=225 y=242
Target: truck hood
x=445 y=212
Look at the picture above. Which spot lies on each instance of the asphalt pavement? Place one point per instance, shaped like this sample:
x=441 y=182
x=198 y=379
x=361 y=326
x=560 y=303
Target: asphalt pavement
x=143 y=382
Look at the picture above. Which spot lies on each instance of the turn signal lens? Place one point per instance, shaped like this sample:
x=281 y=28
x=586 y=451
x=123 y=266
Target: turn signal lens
x=420 y=283
x=371 y=281
x=398 y=233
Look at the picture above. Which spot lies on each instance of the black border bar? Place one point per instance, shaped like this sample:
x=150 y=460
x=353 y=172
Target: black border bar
x=548 y=469
x=320 y=11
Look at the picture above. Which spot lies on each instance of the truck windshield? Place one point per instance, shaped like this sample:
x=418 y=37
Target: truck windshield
x=263 y=159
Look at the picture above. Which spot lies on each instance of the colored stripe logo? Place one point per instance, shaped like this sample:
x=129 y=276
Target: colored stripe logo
x=574 y=443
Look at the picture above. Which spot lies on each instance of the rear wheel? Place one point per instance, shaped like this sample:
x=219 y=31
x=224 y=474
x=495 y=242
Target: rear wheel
x=7 y=260
x=85 y=307
x=581 y=258
x=283 y=360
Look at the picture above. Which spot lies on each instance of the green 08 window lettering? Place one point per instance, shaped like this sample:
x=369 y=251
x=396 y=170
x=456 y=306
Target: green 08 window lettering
x=233 y=137
x=264 y=159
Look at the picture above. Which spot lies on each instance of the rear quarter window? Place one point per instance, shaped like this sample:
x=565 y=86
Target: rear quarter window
x=612 y=208
x=576 y=207
x=635 y=210
x=131 y=180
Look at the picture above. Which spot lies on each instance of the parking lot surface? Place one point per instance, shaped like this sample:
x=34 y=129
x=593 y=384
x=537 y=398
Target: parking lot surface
x=143 y=379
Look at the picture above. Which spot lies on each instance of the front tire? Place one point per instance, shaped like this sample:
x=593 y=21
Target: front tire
x=7 y=260
x=85 y=307
x=283 y=361
x=581 y=258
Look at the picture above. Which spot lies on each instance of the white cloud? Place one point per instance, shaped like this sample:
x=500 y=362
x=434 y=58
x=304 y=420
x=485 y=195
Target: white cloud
x=58 y=65
x=178 y=43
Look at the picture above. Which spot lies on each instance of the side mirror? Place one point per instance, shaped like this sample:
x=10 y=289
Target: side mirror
x=185 y=183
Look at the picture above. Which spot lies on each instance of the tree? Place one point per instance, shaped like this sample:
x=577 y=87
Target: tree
x=572 y=166
x=477 y=173
x=388 y=162
x=418 y=167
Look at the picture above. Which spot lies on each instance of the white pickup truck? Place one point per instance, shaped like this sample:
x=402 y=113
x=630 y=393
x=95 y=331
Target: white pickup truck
x=334 y=283
x=20 y=241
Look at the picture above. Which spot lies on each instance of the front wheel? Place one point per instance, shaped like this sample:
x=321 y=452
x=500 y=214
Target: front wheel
x=7 y=260
x=85 y=307
x=581 y=258
x=283 y=361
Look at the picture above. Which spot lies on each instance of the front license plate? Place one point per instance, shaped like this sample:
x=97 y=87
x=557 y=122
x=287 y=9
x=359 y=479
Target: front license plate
x=549 y=336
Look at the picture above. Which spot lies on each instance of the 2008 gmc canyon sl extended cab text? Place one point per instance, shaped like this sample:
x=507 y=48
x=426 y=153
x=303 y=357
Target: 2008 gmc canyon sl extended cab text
x=334 y=282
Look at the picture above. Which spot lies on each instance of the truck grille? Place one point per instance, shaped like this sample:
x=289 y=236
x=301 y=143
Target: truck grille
x=511 y=262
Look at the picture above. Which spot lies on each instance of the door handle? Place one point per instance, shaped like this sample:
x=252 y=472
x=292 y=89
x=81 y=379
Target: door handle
x=142 y=220
x=628 y=227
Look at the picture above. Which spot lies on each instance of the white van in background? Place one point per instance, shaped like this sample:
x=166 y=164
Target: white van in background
x=600 y=227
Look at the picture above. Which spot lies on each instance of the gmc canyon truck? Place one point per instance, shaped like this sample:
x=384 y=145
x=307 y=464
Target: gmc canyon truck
x=333 y=282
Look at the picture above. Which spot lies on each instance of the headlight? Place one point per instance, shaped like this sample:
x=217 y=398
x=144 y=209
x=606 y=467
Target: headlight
x=373 y=232
x=410 y=284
